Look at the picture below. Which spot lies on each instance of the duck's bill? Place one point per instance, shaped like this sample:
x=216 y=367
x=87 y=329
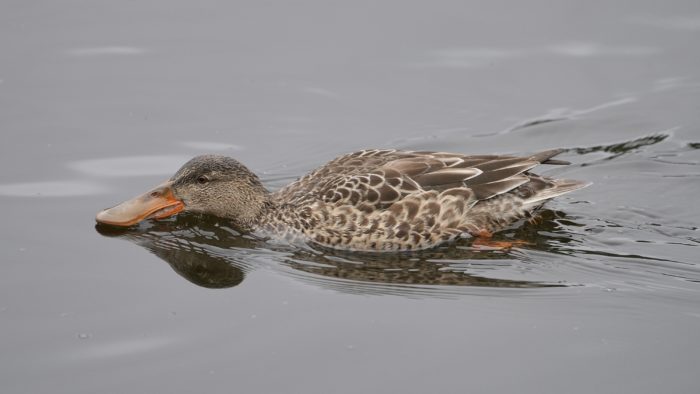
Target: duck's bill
x=158 y=203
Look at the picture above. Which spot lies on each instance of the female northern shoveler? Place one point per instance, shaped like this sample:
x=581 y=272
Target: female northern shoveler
x=368 y=200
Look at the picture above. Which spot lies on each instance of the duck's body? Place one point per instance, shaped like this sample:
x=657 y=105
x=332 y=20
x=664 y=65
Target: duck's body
x=377 y=200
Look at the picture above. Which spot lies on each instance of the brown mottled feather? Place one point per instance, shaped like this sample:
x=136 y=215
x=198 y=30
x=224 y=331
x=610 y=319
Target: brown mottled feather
x=406 y=200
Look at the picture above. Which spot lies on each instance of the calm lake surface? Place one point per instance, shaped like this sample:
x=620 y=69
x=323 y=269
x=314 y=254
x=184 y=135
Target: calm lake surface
x=99 y=101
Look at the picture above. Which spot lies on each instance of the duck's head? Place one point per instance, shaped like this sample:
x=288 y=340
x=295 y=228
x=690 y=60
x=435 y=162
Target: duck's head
x=211 y=184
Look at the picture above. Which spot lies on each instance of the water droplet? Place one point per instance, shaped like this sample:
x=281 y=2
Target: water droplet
x=84 y=335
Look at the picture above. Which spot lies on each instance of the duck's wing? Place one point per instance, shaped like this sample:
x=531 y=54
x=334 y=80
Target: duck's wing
x=312 y=185
x=375 y=179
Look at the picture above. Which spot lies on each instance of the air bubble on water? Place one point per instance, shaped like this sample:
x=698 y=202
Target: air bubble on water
x=84 y=335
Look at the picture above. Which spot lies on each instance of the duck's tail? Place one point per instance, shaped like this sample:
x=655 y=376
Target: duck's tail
x=545 y=157
x=559 y=187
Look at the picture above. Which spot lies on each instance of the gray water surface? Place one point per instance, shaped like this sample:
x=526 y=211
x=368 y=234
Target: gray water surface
x=100 y=101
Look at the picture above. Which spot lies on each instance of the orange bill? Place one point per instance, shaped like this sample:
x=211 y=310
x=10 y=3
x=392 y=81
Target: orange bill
x=158 y=203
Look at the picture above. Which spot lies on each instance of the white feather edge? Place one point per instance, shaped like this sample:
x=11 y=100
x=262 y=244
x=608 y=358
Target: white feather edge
x=561 y=186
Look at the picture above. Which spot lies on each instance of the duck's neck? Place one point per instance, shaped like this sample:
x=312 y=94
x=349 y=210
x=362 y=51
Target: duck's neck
x=253 y=217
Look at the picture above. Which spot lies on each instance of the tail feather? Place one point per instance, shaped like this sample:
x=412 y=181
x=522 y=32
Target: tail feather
x=545 y=157
x=559 y=187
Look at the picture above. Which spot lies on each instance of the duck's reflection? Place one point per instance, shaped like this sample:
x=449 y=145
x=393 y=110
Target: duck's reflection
x=207 y=253
x=194 y=248
x=198 y=266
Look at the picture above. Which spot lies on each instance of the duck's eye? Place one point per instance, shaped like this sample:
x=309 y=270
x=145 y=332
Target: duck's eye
x=202 y=180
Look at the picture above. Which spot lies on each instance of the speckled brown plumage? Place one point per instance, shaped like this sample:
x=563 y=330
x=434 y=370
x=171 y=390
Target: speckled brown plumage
x=389 y=200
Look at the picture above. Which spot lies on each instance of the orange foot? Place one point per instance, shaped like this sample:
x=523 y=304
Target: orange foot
x=483 y=239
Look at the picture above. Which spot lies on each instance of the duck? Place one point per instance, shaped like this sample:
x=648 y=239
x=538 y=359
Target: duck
x=369 y=200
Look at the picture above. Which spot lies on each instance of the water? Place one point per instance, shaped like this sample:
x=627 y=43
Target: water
x=100 y=101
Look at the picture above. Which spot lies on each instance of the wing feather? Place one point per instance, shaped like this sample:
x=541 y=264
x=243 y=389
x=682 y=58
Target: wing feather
x=377 y=178
x=487 y=190
x=447 y=176
x=502 y=173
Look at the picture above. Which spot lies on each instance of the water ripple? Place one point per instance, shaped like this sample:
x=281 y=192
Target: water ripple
x=52 y=189
x=130 y=166
x=107 y=51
